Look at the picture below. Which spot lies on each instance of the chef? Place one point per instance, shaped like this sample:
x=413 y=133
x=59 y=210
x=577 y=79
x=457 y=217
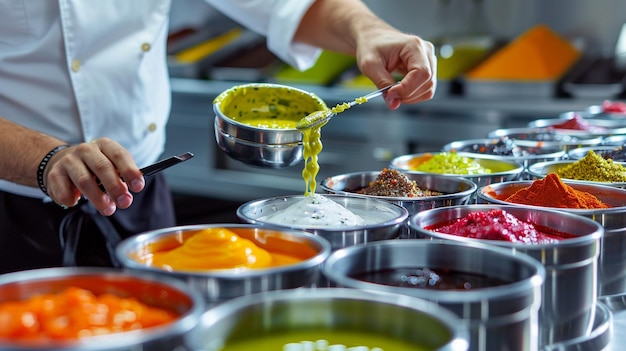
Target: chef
x=84 y=95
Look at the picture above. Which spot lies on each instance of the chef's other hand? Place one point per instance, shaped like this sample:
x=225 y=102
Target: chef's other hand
x=74 y=172
x=383 y=52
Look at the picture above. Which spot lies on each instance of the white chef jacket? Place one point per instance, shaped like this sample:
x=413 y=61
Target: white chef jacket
x=81 y=70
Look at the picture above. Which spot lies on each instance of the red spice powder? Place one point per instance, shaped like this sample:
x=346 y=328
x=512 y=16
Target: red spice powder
x=552 y=192
x=577 y=123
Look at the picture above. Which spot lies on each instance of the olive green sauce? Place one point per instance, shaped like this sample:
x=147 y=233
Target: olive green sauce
x=267 y=106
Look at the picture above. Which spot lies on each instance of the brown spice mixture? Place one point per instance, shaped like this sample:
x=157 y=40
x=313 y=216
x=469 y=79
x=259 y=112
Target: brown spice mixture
x=392 y=183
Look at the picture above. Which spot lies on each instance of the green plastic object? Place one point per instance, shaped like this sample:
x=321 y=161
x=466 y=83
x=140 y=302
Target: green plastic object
x=329 y=66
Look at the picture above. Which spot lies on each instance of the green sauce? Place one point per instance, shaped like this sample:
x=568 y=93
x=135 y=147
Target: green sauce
x=268 y=106
x=276 y=341
x=452 y=163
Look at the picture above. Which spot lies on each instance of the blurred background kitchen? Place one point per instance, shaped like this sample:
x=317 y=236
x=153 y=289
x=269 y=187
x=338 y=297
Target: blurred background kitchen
x=208 y=54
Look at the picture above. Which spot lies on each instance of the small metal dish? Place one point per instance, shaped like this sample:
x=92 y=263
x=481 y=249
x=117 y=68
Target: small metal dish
x=601 y=127
x=501 y=170
x=527 y=154
x=541 y=169
x=615 y=153
x=544 y=137
x=261 y=146
x=219 y=285
x=324 y=314
x=569 y=292
x=385 y=220
x=156 y=291
x=514 y=303
x=456 y=190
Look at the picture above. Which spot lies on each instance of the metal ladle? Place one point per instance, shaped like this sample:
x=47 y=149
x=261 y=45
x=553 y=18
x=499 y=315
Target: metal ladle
x=319 y=118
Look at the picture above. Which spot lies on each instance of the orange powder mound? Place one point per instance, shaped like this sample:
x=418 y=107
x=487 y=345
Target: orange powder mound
x=538 y=54
x=552 y=192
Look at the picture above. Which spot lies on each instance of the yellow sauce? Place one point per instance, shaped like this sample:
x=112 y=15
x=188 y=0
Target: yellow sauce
x=312 y=145
x=268 y=106
x=217 y=248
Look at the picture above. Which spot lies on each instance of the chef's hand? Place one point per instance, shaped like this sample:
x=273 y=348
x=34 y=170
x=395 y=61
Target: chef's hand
x=383 y=52
x=73 y=172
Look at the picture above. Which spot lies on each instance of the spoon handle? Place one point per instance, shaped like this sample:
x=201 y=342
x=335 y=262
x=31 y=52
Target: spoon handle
x=159 y=166
x=379 y=92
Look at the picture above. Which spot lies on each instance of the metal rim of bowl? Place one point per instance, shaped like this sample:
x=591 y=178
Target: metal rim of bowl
x=472 y=187
x=584 y=150
x=517 y=169
x=255 y=144
x=592 y=140
x=459 y=335
x=123 y=248
x=183 y=324
x=450 y=146
x=603 y=128
x=599 y=337
x=448 y=296
x=578 y=211
x=399 y=220
x=222 y=95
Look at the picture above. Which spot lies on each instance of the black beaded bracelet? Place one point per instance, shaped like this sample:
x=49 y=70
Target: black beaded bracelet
x=44 y=163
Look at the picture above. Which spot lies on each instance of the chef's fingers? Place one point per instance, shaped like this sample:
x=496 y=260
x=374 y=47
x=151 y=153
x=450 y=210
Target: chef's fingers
x=87 y=167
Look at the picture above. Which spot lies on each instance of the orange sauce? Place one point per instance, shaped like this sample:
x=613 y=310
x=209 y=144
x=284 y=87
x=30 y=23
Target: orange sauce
x=75 y=313
x=221 y=248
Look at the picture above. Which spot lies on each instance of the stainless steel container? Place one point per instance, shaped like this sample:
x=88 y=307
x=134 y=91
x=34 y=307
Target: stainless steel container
x=384 y=220
x=545 y=137
x=422 y=325
x=503 y=170
x=156 y=291
x=503 y=317
x=525 y=154
x=456 y=190
x=612 y=260
x=597 y=340
x=257 y=146
x=616 y=153
x=569 y=293
x=541 y=169
x=601 y=127
x=220 y=285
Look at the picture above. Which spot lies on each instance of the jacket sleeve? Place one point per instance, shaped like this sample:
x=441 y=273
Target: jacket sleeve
x=278 y=20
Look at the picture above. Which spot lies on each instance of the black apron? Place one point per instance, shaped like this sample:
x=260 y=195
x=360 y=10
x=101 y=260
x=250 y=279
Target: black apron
x=34 y=234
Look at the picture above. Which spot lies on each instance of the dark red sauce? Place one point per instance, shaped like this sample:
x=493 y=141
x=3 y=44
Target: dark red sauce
x=432 y=279
x=497 y=224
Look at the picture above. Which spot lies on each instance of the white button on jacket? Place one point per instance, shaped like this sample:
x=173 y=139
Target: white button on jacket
x=81 y=70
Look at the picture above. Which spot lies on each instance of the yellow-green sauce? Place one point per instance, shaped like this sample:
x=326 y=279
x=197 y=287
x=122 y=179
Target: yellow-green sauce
x=448 y=163
x=322 y=340
x=268 y=106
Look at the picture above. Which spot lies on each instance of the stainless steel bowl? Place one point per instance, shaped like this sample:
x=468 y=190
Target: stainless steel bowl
x=502 y=170
x=617 y=140
x=598 y=339
x=385 y=220
x=569 y=292
x=220 y=285
x=612 y=260
x=525 y=154
x=615 y=153
x=263 y=147
x=541 y=169
x=456 y=190
x=544 y=137
x=420 y=324
x=259 y=154
x=501 y=317
x=602 y=127
x=161 y=292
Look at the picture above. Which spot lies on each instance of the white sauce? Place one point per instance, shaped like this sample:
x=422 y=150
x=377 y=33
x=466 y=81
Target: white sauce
x=316 y=211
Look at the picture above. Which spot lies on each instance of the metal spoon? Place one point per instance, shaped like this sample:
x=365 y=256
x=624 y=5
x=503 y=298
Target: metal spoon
x=319 y=118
